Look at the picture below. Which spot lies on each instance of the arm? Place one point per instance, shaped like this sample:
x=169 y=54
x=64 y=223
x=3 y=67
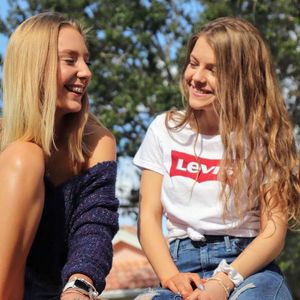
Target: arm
x=269 y=242
x=104 y=147
x=21 y=205
x=260 y=252
x=152 y=239
x=95 y=221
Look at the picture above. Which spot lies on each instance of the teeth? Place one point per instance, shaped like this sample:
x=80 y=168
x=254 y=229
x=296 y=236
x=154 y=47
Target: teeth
x=77 y=89
x=200 y=91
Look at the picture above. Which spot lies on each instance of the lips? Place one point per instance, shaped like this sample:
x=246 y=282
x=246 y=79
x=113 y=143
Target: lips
x=75 y=89
x=200 y=91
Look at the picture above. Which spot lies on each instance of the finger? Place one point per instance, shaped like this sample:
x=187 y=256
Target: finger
x=195 y=279
x=196 y=295
x=185 y=287
x=171 y=286
x=178 y=287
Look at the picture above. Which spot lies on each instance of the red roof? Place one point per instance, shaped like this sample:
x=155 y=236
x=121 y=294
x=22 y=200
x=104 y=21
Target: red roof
x=130 y=269
x=131 y=275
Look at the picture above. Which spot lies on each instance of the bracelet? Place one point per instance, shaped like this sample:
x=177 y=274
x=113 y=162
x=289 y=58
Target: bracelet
x=232 y=273
x=72 y=291
x=221 y=283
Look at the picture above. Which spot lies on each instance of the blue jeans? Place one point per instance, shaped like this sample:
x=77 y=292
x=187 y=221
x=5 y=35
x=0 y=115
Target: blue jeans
x=203 y=258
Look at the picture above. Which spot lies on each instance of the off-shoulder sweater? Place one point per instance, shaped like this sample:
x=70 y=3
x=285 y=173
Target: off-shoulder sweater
x=75 y=234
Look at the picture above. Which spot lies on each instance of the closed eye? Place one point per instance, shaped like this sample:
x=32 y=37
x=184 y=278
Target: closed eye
x=193 y=63
x=70 y=61
x=211 y=68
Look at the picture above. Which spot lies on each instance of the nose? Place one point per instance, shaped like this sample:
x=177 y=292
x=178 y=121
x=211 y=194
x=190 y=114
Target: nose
x=84 y=71
x=199 y=75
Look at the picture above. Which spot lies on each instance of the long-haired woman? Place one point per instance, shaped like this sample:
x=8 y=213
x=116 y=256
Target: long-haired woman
x=57 y=168
x=224 y=171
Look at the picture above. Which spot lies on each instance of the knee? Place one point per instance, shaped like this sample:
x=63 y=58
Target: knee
x=148 y=295
x=158 y=294
x=264 y=286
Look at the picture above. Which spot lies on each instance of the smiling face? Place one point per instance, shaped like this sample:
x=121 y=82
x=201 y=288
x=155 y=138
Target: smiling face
x=73 y=74
x=200 y=75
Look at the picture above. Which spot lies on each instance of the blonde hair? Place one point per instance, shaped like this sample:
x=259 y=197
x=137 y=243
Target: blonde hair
x=30 y=88
x=253 y=120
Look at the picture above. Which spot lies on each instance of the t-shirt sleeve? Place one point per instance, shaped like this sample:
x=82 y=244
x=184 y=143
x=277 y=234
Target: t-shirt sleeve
x=150 y=154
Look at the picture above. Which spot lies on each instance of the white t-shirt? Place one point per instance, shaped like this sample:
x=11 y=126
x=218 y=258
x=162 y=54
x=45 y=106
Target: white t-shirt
x=191 y=199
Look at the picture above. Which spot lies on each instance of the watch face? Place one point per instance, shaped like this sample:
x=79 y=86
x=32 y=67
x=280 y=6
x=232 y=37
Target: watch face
x=81 y=285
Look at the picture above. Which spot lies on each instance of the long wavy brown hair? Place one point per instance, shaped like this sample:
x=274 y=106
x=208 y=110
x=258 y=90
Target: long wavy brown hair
x=259 y=146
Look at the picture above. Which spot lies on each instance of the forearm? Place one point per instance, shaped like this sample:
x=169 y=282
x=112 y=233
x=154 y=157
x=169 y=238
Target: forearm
x=94 y=222
x=152 y=239
x=264 y=248
x=90 y=254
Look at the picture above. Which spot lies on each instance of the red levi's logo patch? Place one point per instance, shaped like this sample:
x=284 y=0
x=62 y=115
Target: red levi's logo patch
x=188 y=166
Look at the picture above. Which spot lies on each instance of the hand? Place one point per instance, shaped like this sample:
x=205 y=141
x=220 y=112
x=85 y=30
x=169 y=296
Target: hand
x=212 y=291
x=182 y=283
x=72 y=294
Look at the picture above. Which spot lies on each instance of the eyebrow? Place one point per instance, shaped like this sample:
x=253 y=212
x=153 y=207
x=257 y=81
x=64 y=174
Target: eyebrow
x=72 y=52
x=195 y=58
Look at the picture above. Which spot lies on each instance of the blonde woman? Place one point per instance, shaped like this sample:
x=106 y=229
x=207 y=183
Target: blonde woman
x=224 y=171
x=58 y=211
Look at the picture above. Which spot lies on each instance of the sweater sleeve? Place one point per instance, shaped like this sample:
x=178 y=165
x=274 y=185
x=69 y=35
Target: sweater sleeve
x=92 y=225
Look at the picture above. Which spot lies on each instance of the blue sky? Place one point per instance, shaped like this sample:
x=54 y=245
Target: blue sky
x=193 y=8
x=3 y=11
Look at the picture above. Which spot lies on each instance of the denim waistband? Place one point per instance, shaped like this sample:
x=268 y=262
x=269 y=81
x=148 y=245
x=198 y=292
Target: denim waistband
x=211 y=239
x=208 y=253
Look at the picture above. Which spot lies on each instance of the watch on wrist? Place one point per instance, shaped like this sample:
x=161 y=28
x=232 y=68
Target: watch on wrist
x=232 y=273
x=83 y=286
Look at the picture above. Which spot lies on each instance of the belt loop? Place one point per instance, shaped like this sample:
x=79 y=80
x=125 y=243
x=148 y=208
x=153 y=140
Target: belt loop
x=175 y=250
x=227 y=243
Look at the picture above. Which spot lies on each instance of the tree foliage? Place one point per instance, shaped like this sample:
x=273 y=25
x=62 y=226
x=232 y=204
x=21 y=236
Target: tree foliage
x=136 y=48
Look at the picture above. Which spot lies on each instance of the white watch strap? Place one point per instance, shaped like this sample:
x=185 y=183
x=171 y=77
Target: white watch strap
x=69 y=285
x=92 y=292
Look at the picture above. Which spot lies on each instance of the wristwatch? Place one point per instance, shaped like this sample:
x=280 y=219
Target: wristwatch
x=83 y=286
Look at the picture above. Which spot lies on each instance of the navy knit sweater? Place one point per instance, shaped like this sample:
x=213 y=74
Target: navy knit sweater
x=78 y=223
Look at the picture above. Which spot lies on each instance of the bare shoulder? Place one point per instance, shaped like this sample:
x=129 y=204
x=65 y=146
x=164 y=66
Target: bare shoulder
x=22 y=158
x=103 y=145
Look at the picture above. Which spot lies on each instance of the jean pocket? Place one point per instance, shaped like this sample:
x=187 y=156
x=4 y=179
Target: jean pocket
x=174 y=249
x=239 y=244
